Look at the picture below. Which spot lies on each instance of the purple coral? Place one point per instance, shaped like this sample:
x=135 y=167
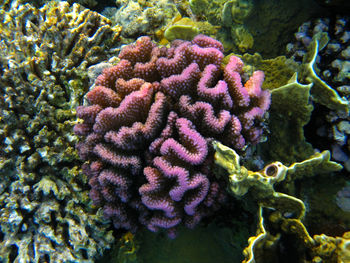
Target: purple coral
x=149 y=126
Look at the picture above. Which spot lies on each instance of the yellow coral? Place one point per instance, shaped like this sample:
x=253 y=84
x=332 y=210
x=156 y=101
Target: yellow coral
x=261 y=184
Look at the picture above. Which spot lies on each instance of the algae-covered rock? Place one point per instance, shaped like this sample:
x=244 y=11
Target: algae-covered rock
x=45 y=212
x=230 y=16
x=199 y=6
x=235 y=11
x=143 y=17
x=242 y=38
x=211 y=10
x=185 y=29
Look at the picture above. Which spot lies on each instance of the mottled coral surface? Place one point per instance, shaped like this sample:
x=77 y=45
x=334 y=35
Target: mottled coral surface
x=148 y=128
x=45 y=211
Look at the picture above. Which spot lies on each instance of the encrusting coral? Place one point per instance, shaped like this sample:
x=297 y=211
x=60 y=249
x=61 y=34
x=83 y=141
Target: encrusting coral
x=45 y=211
x=290 y=111
x=148 y=127
x=288 y=211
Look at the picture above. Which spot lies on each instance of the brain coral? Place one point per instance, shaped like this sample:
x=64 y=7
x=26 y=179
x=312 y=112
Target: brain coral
x=149 y=126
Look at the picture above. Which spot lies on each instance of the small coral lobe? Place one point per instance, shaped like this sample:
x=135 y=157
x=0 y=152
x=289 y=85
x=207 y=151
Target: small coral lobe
x=149 y=124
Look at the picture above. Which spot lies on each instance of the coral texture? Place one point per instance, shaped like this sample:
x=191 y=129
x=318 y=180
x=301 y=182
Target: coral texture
x=148 y=127
x=261 y=186
x=333 y=68
x=142 y=17
x=45 y=211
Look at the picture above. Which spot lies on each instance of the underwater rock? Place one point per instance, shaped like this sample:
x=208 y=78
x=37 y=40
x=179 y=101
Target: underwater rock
x=45 y=212
x=139 y=18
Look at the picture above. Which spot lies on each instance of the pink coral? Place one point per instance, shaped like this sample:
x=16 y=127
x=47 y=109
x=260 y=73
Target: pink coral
x=149 y=126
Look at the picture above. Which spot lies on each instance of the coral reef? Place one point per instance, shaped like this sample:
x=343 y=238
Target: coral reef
x=321 y=91
x=290 y=110
x=45 y=211
x=328 y=217
x=248 y=25
x=148 y=127
x=230 y=15
x=288 y=211
x=331 y=72
x=332 y=52
x=39 y=3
